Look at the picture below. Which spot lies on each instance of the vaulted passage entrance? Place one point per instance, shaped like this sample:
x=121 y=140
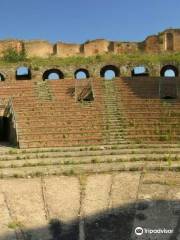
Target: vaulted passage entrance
x=81 y=73
x=8 y=135
x=168 y=88
x=109 y=72
x=5 y=137
x=53 y=74
x=5 y=129
x=2 y=78
x=169 y=71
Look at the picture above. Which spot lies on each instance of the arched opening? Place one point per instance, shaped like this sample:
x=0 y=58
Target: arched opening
x=23 y=73
x=53 y=74
x=109 y=72
x=169 y=71
x=139 y=71
x=2 y=78
x=6 y=129
x=168 y=84
x=81 y=74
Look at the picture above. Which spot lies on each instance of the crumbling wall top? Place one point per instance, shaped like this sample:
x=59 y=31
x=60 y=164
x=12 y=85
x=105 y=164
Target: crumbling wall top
x=168 y=40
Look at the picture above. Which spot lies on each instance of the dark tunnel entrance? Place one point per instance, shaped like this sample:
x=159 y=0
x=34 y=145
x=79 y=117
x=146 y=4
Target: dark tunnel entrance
x=8 y=135
x=5 y=129
x=168 y=98
x=168 y=84
x=2 y=78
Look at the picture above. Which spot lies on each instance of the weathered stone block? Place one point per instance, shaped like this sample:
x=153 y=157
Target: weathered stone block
x=38 y=48
x=66 y=49
x=95 y=47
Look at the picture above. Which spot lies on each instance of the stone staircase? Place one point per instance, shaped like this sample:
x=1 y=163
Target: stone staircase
x=92 y=159
x=58 y=122
x=113 y=116
x=148 y=117
x=123 y=110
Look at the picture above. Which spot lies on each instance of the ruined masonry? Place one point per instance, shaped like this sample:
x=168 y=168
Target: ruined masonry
x=85 y=157
x=131 y=108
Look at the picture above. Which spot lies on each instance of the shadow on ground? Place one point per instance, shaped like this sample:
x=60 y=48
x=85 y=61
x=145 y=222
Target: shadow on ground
x=115 y=224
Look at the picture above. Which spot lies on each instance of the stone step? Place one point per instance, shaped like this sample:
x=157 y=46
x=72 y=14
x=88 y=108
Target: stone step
x=45 y=160
x=127 y=147
x=71 y=169
x=61 y=153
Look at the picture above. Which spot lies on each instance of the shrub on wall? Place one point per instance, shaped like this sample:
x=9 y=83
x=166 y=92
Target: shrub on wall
x=11 y=55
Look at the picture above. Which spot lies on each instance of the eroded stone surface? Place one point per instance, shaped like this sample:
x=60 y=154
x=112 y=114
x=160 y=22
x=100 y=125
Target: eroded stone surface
x=97 y=192
x=63 y=202
x=63 y=197
x=104 y=203
x=24 y=199
x=124 y=188
x=6 y=233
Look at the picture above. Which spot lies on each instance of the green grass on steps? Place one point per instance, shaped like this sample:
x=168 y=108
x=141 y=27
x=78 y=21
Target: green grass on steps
x=89 y=168
x=43 y=91
x=113 y=117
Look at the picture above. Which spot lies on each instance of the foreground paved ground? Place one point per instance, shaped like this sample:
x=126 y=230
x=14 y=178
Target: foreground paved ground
x=98 y=206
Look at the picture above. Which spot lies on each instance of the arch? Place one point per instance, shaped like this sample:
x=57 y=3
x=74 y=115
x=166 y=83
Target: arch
x=139 y=71
x=81 y=73
x=169 y=68
x=2 y=77
x=53 y=74
x=109 y=68
x=23 y=73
